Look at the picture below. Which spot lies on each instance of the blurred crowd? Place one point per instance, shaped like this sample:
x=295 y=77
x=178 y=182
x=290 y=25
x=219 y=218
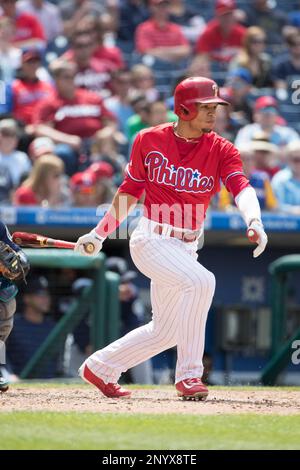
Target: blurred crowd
x=80 y=78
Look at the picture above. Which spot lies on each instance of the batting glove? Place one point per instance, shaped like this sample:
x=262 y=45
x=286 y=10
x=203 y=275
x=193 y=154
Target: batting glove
x=256 y=234
x=89 y=244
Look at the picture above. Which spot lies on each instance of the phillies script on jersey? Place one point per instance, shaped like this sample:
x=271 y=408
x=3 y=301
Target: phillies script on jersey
x=180 y=177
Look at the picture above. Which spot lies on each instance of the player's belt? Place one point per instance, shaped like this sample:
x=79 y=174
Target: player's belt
x=187 y=237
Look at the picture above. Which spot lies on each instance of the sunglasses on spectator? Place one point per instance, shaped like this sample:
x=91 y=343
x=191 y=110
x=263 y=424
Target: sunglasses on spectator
x=294 y=44
x=296 y=159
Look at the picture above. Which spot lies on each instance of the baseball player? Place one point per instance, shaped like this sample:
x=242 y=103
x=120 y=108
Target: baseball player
x=179 y=167
x=14 y=267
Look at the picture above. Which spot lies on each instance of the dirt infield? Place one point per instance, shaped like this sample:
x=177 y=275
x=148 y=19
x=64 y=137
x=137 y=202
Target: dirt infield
x=162 y=401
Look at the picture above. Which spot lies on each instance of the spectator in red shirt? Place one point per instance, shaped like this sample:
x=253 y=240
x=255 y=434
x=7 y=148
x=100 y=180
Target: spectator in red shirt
x=223 y=36
x=44 y=184
x=29 y=90
x=92 y=74
x=109 y=56
x=28 y=30
x=72 y=116
x=159 y=37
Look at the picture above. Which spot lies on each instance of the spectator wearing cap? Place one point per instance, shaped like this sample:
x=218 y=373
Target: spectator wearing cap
x=266 y=154
x=44 y=186
x=46 y=13
x=260 y=180
x=102 y=173
x=253 y=57
x=266 y=117
x=286 y=183
x=288 y=67
x=28 y=90
x=28 y=30
x=239 y=85
x=93 y=187
x=16 y=163
x=71 y=117
x=10 y=56
x=83 y=188
x=159 y=37
x=32 y=326
x=269 y=18
x=223 y=36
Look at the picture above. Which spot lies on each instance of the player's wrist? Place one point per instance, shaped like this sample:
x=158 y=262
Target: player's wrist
x=255 y=220
x=96 y=235
x=107 y=225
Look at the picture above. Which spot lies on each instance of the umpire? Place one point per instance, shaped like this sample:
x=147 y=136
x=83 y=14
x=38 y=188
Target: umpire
x=14 y=267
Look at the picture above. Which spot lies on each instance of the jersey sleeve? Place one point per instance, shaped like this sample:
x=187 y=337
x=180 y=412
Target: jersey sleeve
x=232 y=174
x=135 y=173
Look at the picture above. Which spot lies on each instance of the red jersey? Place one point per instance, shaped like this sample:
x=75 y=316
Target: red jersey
x=26 y=98
x=94 y=77
x=181 y=175
x=220 y=47
x=82 y=116
x=27 y=27
x=150 y=35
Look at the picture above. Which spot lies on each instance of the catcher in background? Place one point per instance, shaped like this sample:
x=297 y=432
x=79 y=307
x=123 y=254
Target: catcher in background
x=14 y=267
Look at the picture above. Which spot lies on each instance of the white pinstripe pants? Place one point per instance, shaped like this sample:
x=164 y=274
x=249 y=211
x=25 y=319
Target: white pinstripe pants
x=181 y=295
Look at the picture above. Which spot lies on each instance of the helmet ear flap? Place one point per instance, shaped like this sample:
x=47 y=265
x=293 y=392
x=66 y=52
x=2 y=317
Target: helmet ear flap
x=188 y=113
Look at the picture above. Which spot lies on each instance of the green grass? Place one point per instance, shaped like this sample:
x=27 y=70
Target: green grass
x=26 y=430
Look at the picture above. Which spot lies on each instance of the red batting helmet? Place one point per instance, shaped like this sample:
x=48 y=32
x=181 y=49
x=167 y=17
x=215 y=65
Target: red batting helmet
x=195 y=90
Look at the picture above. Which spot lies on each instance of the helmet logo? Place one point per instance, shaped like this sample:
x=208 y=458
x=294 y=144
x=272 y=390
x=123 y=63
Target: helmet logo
x=215 y=89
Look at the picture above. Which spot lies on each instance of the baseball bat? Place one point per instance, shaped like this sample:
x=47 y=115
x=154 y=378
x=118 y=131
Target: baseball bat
x=252 y=235
x=34 y=240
